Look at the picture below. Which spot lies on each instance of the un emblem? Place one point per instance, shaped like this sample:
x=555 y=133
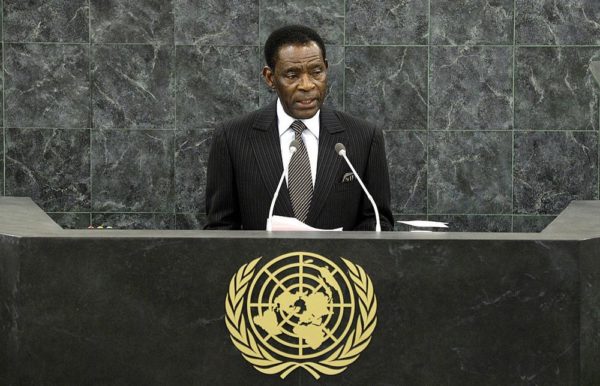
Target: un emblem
x=301 y=310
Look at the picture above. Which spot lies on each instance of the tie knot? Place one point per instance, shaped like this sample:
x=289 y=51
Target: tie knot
x=298 y=127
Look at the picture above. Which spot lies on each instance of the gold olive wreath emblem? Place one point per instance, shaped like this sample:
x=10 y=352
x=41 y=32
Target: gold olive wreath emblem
x=300 y=310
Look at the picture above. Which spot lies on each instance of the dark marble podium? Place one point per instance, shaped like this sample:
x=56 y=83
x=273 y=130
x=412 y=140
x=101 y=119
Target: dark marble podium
x=109 y=307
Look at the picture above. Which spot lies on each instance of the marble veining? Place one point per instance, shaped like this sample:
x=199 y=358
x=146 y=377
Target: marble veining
x=71 y=220
x=554 y=89
x=50 y=166
x=1 y=80
x=556 y=22
x=186 y=221
x=191 y=159
x=133 y=86
x=531 y=223
x=215 y=84
x=325 y=16
x=46 y=85
x=132 y=21
x=407 y=162
x=46 y=21
x=132 y=171
x=3 y=131
x=471 y=88
x=471 y=22
x=389 y=22
x=388 y=86
x=134 y=220
x=475 y=223
x=554 y=168
x=470 y=172
x=216 y=22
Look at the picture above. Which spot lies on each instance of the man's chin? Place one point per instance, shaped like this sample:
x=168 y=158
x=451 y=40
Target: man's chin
x=304 y=113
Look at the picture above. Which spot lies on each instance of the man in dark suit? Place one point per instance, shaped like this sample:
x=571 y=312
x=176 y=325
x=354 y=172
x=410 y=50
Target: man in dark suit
x=249 y=153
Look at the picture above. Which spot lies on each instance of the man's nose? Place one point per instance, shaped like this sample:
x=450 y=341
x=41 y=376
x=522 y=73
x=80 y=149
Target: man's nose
x=306 y=82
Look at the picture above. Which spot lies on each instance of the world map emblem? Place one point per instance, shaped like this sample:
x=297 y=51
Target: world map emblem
x=301 y=310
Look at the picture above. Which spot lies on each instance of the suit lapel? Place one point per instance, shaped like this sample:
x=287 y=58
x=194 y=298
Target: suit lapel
x=267 y=151
x=328 y=162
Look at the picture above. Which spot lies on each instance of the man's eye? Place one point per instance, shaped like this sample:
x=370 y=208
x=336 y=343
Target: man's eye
x=290 y=75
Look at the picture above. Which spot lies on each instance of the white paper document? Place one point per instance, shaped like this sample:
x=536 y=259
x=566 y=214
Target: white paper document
x=425 y=224
x=281 y=223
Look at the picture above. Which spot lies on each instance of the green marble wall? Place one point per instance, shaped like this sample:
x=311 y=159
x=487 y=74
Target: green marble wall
x=490 y=112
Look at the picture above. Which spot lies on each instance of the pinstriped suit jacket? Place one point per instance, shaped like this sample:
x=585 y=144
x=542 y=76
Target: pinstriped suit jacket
x=244 y=167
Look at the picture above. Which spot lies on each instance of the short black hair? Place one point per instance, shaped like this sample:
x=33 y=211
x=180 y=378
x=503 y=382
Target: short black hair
x=290 y=34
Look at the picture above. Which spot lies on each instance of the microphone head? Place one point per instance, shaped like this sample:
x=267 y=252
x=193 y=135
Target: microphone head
x=294 y=145
x=339 y=148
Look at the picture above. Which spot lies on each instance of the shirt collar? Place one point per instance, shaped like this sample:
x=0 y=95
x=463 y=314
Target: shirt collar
x=285 y=121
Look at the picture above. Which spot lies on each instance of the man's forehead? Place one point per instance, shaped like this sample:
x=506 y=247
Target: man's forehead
x=298 y=53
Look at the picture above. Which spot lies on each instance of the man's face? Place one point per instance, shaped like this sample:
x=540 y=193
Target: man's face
x=299 y=78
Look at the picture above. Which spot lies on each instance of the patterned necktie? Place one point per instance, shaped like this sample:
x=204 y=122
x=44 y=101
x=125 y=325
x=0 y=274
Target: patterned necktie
x=299 y=176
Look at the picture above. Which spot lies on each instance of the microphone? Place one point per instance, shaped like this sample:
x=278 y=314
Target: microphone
x=294 y=145
x=340 y=149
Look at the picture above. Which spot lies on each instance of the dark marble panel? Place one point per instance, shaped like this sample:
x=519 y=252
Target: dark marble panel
x=130 y=311
x=471 y=88
x=151 y=314
x=218 y=22
x=70 y=220
x=471 y=22
x=2 y=162
x=388 y=85
x=590 y=312
x=552 y=169
x=326 y=17
x=557 y=22
x=133 y=86
x=475 y=223
x=188 y=221
x=470 y=172
x=2 y=22
x=134 y=220
x=50 y=166
x=9 y=313
x=191 y=159
x=386 y=22
x=407 y=162
x=132 y=21
x=215 y=84
x=1 y=76
x=501 y=293
x=530 y=223
x=46 y=85
x=132 y=171
x=46 y=21
x=335 y=80
x=554 y=89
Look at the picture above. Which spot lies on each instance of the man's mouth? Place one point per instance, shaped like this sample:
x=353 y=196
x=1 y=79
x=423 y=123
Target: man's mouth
x=307 y=102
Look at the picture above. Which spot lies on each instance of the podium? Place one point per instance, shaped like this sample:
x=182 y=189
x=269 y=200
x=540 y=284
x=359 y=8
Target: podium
x=124 y=307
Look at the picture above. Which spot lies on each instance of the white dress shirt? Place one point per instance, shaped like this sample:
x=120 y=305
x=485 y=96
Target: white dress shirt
x=309 y=136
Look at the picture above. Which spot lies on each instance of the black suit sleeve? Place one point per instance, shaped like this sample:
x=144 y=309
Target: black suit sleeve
x=377 y=181
x=221 y=193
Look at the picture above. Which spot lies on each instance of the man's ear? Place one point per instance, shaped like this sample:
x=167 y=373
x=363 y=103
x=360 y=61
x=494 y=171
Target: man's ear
x=326 y=63
x=268 y=76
